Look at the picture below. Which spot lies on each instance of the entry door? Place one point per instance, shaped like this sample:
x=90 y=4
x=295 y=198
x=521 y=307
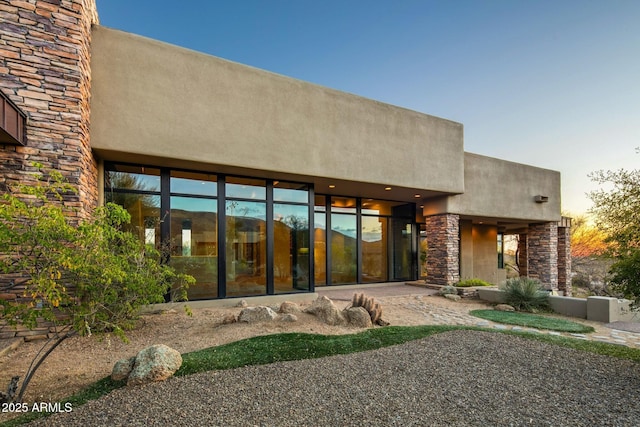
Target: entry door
x=402 y=253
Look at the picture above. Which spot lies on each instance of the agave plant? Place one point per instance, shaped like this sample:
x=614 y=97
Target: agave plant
x=526 y=294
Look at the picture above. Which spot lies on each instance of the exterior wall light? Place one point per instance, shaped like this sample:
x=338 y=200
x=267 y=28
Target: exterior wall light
x=541 y=199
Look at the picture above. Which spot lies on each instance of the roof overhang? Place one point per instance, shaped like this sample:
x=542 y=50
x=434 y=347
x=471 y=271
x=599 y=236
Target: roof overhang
x=12 y=122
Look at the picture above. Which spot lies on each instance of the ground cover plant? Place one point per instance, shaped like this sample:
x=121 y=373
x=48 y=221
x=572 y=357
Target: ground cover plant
x=532 y=321
x=472 y=282
x=297 y=346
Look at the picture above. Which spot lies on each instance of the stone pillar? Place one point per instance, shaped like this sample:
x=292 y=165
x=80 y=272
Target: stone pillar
x=523 y=254
x=443 y=249
x=564 y=260
x=543 y=253
x=45 y=70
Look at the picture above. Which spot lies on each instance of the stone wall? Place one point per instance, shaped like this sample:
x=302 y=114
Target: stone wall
x=543 y=253
x=45 y=71
x=443 y=251
x=523 y=255
x=564 y=260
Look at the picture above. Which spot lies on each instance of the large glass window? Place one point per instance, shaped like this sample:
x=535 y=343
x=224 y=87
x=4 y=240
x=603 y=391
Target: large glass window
x=343 y=249
x=291 y=248
x=374 y=237
x=320 y=240
x=246 y=248
x=194 y=231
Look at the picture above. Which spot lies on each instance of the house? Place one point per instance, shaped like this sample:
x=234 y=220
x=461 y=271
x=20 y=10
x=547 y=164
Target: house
x=260 y=184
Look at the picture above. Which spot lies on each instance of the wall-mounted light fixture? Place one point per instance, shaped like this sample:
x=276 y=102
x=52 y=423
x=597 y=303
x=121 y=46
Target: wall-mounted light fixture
x=541 y=199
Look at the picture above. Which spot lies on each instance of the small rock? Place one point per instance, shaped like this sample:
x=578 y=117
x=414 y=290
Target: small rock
x=358 y=317
x=155 y=363
x=288 y=317
x=122 y=369
x=242 y=304
x=289 y=307
x=325 y=310
x=452 y=297
x=257 y=314
x=504 y=307
x=229 y=319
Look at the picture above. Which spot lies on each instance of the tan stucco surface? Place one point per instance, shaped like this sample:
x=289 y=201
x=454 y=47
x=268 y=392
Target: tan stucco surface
x=160 y=101
x=497 y=188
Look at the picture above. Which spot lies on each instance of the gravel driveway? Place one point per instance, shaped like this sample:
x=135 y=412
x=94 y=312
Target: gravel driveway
x=460 y=378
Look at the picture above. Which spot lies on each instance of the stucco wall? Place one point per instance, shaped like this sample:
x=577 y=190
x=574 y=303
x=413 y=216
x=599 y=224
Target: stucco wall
x=497 y=188
x=478 y=252
x=160 y=100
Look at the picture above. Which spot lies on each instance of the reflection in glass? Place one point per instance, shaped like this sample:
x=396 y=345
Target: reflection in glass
x=320 y=248
x=374 y=249
x=132 y=178
x=246 y=248
x=193 y=183
x=194 y=243
x=145 y=214
x=291 y=248
x=343 y=249
x=246 y=188
x=402 y=255
x=290 y=192
x=343 y=204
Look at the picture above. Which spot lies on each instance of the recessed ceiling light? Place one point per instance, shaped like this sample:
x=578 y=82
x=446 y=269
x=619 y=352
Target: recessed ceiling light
x=417 y=196
x=332 y=186
x=387 y=188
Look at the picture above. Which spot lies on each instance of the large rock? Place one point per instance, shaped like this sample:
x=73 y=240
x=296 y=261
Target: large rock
x=504 y=307
x=358 y=317
x=453 y=297
x=257 y=314
x=155 y=363
x=288 y=307
x=122 y=369
x=324 y=309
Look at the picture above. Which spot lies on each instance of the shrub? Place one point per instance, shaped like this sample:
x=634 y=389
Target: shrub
x=526 y=294
x=472 y=282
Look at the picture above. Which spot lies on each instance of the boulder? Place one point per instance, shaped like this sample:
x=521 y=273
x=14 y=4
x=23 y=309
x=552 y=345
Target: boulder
x=155 y=363
x=324 y=309
x=453 y=297
x=289 y=307
x=504 y=307
x=257 y=314
x=229 y=319
x=288 y=317
x=358 y=317
x=122 y=369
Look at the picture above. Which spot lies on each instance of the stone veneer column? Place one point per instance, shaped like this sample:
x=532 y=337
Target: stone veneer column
x=443 y=249
x=523 y=254
x=564 y=260
x=543 y=253
x=45 y=71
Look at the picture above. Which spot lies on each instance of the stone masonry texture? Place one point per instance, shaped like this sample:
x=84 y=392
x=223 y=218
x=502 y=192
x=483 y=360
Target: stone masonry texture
x=45 y=71
x=564 y=260
x=443 y=251
x=543 y=253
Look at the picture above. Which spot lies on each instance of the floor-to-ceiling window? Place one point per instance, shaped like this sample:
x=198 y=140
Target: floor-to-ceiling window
x=246 y=236
x=242 y=236
x=194 y=230
x=291 y=242
x=343 y=238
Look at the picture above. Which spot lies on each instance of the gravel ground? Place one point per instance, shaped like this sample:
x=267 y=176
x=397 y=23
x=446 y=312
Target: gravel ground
x=461 y=378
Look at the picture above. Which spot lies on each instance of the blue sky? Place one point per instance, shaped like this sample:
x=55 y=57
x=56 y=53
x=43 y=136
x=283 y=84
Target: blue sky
x=553 y=83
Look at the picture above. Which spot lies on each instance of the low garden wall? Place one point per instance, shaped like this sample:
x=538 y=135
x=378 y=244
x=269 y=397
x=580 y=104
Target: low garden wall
x=600 y=309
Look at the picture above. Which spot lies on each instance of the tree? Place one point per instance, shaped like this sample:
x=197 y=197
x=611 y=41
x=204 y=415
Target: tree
x=617 y=213
x=92 y=274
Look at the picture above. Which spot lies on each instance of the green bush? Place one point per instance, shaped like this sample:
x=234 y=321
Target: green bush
x=472 y=282
x=526 y=294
